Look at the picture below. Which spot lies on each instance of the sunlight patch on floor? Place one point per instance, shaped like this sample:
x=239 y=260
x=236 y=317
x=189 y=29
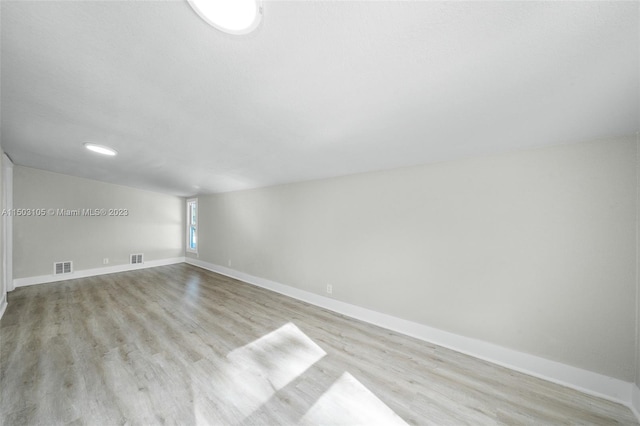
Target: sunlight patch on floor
x=349 y=402
x=252 y=374
x=278 y=357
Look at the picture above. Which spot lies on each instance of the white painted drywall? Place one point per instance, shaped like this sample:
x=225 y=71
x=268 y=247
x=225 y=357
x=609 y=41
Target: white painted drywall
x=3 y=282
x=7 y=222
x=154 y=225
x=532 y=250
x=322 y=88
x=637 y=366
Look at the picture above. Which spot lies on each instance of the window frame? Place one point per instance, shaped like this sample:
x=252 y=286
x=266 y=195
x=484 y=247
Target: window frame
x=192 y=201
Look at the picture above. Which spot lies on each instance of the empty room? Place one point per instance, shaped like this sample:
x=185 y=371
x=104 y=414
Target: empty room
x=220 y=212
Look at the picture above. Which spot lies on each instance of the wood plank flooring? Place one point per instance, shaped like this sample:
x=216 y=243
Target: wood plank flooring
x=181 y=345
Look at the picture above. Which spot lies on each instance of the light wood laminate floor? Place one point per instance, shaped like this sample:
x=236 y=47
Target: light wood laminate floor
x=181 y=345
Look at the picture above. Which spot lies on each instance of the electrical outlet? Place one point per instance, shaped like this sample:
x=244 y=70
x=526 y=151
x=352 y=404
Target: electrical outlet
x=105 y=261
x=329 y=288
x=229 y=262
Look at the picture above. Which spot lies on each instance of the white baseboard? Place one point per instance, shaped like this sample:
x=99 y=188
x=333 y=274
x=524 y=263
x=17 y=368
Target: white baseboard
x=42 y=279
x=3 y=306
x=583 y=380
x=635 y=401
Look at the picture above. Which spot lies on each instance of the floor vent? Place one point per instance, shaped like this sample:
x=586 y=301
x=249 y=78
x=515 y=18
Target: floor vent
x=136 y=259
x=60 y=268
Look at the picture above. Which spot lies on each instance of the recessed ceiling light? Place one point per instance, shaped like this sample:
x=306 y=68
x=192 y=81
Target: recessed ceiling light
x=100 y=149
x=230 y=16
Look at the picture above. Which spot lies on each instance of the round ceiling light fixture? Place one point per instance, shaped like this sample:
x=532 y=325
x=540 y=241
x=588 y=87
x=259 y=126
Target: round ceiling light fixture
x=230 y=16
x=100 y=149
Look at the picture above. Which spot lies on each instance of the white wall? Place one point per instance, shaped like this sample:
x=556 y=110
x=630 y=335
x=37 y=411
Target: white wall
x=637 y=366
x=3 y=284
x=7 y=222
x=534 y=250
x=154 y=226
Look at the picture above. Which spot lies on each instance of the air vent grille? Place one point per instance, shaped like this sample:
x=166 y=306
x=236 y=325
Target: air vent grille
x=60 y=268
x=137 y=258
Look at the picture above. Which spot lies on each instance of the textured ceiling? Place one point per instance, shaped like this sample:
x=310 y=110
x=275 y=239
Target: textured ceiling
x=320 y=89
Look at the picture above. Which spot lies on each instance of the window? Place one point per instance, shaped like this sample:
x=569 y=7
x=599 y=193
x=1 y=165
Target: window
x=192 y=225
